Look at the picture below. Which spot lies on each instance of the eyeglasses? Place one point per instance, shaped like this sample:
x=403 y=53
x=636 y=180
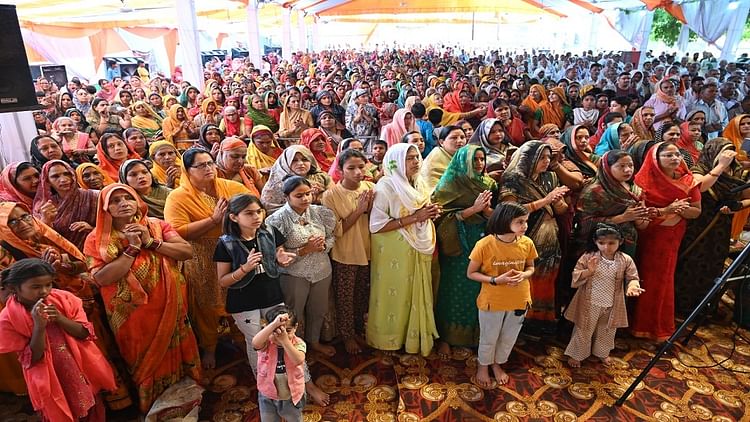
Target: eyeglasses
x=204 y=166
x=14 y=222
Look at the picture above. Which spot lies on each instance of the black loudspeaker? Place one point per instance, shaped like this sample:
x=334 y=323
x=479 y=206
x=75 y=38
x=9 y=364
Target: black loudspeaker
x=16 y=87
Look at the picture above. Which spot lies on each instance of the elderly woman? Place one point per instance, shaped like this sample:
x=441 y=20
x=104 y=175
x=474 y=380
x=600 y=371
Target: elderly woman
x=296 y=160
x=62 y=205
x=112 y=151
x=667 y=105
x=167 y=163
x=196 y=210
x=90 y=176
x=178 y=128
x=133 y=259
x=233 y=124
x=147 y=120
x=19 y=182
x=136 y=174
x=44 y=148
x=76 y=145
x=231 y=165
x=361 y=115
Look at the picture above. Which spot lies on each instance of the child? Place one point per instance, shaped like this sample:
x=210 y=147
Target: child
x=587 y=115
x=281 y=362
x=503 y=261
x=379 y=147
x=64 y=370
x=598 y=307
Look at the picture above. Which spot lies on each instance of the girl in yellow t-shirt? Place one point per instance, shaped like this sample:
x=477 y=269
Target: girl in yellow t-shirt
x=503 y=261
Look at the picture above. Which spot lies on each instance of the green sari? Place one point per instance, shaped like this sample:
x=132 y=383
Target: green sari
x=458 y=188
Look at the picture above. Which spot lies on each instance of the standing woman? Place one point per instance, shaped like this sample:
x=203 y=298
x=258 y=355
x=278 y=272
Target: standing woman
x=707 y=238
x=296 y=160
x=112 y=151
x=195 y=210
x=402 y=244
x=492 y=138
x=231 y=165
x=738 y=131
x=465 y=194
x=19 y=183
x=529 y=182
x=669 y=187
x=136 y=174
x=62 y=205
x=133 y=259
x=450 y=140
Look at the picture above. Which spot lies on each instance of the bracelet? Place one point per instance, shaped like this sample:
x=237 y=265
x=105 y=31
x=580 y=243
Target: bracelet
x=710 y=173
x=132 y=251
x=157 y=244
x=400 y=224
x=532 y=206
x=149 y=243
x=493 y=281
x=233 y=276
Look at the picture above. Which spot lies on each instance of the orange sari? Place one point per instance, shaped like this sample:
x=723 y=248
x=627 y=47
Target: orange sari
x=147 y=309
x=732 y=132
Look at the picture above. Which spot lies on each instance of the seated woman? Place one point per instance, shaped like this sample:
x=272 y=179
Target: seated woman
x=209 y=138
x=167 y=164
x=294 y=119
x=231 y=165
x=19 y=183
x=178 y=128
x=137 y=142
x=75 y=144
x=263 y=150
x=100 y=118
x=210 y=113
x=45 y=148
x=62 y=205
x=136 y=174
x=147 y=120
x=330 y=126
x=133 y=259
x=318 y=143
x=403 y=122
x=296 y=160
x=233 y=124
x=90 y=176
x=257 y=114
x=112 y=151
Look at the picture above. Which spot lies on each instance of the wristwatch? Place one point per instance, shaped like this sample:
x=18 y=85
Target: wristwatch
x=492 y=281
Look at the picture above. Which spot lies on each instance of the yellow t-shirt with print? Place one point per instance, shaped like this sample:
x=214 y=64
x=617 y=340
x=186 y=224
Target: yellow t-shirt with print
x=497 y=258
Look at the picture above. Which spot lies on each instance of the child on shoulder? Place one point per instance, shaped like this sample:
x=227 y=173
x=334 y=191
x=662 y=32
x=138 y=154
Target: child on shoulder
x=603 y=277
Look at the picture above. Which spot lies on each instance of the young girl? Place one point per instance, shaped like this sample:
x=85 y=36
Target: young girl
x=503 y=261
x=281 y=362
x=598 y=307
x=64 y=370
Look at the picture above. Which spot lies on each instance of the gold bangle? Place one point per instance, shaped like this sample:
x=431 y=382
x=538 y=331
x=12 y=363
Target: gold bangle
x=532 y=206
x=233 y=276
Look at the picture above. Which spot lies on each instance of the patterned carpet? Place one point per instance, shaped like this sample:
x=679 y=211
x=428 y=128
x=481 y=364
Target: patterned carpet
x=396 y=387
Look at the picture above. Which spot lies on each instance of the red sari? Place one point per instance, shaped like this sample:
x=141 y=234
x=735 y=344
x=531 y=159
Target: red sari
x=147 y=309
x=658 y=247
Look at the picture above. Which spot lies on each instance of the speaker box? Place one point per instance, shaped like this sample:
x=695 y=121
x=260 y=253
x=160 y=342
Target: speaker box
x=16 y=87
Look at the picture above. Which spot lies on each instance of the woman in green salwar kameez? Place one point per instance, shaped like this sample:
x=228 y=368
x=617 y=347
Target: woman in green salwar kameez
x=403 y=241
x=464 y=193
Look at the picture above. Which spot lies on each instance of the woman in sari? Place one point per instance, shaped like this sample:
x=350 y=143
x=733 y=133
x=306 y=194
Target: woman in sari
x=667 y=105
x=133 y=259
x=179 y=127
x=668 y=186
x=44 y=148
x=233 y=124
x=403 y=122
x=491 y=137
x=295 y=160
x=62 y=205
x=209 y=138
x=257 y=114
x=402 y=244
x=147 y=120
x=294 y=120
x=643 y=123
x=325 y=103
x=167 y=163
x=25 y=236
x=263 y=150
x=528 y=182
x=707 y=238
x=464 y=193
x=136 y=174
x=451 y=139
x=19 y=182
x=317 y=142
x=112 y=151
x=76 y=145
x=210 y=113
x=90 y=176
x=529 y=106
x=196 y=210
x=189 y=100
x=737 y=131
x=690 y=143
x=334 y=131
x=555 y=110
x=136 y=141
x=271 y=100
x=231 y=165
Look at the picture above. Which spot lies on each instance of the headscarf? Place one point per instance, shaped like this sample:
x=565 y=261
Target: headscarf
x=202 y=142
x=639 y=151
x=151 y=124
x=554 y=113
x=37 y=159
x=732 y=132
x=610 y=140
x=172 y=125
x=518 y=178
x=160 y=175
x=261 y=117
x=394 y=131
x=109 y=166
x=495 y=155
x=452 y=100
x=256 y=157
x=273 y=195
x=409 y=197
x=8 y=189
x=639 y=127
x=324 y=158
x=79 y=175
x=662 y=96
x=290 y=116
x=584 y=163
x=156 y=200
x=461 y=183
x=661 y=190
x=708 y=160
x=449 y=118
x=531 y=103
x=687 y=144
x=82 y=139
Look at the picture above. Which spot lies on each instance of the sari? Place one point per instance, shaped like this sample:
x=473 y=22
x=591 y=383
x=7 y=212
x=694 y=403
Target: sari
x=204 y=117
x=455 y=311
x=394 y=131
x=495 y=155
x=14 y=248
x=78 y=205
x=202 y=141
x=111 y=167
x=8 y=189
x=156 y=198
x=581 y=162
x=658 y=247
x=434 y=166
x=260 y=118
x=640 y=128
x=452 y=100
x=248 y=175
x=732 y=132
x=705 y=245
x=289 y=116
x=324 y=158
x=147 y=308
x=554 y=113
x=172 y=126
x=609 y=141
x=257 y=158
x=84 y=166
x=401 y=302
x=448 y=118
x=687 y=146
x=519 y=186
x=159 y=173
x=150 y=125
x=206 y=298
x=272 y=195
x=661 y=102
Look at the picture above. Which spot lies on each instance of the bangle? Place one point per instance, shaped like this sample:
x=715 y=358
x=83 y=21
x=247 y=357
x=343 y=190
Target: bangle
x=400 y=224
x=132 y=251
x=532 y=206
x=157 y=245
x=711 y=173
x=149 y=244
x=233 y=273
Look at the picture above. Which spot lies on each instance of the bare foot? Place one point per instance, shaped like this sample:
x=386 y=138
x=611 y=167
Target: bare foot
x=483 y=376
x=574 y=363
x=500 y=376
x=208 y=359
x=352 y=346
x=444 y=350
x=607 y=361
x=323 y=349
x=319 y=397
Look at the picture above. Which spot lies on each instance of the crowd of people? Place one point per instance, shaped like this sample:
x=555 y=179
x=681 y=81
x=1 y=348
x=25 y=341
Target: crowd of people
x=414 y=200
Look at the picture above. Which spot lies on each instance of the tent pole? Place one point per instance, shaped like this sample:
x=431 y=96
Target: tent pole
x=302 y=35
x=473 y=18
x=253 y=33
x=286 y=33
x=734 y=32
x=187 y=29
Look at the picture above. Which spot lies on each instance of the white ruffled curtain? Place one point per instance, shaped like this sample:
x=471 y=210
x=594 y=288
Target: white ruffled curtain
x=634 y=26
x=709 y=19
x=75 y=53
x=16 y=132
